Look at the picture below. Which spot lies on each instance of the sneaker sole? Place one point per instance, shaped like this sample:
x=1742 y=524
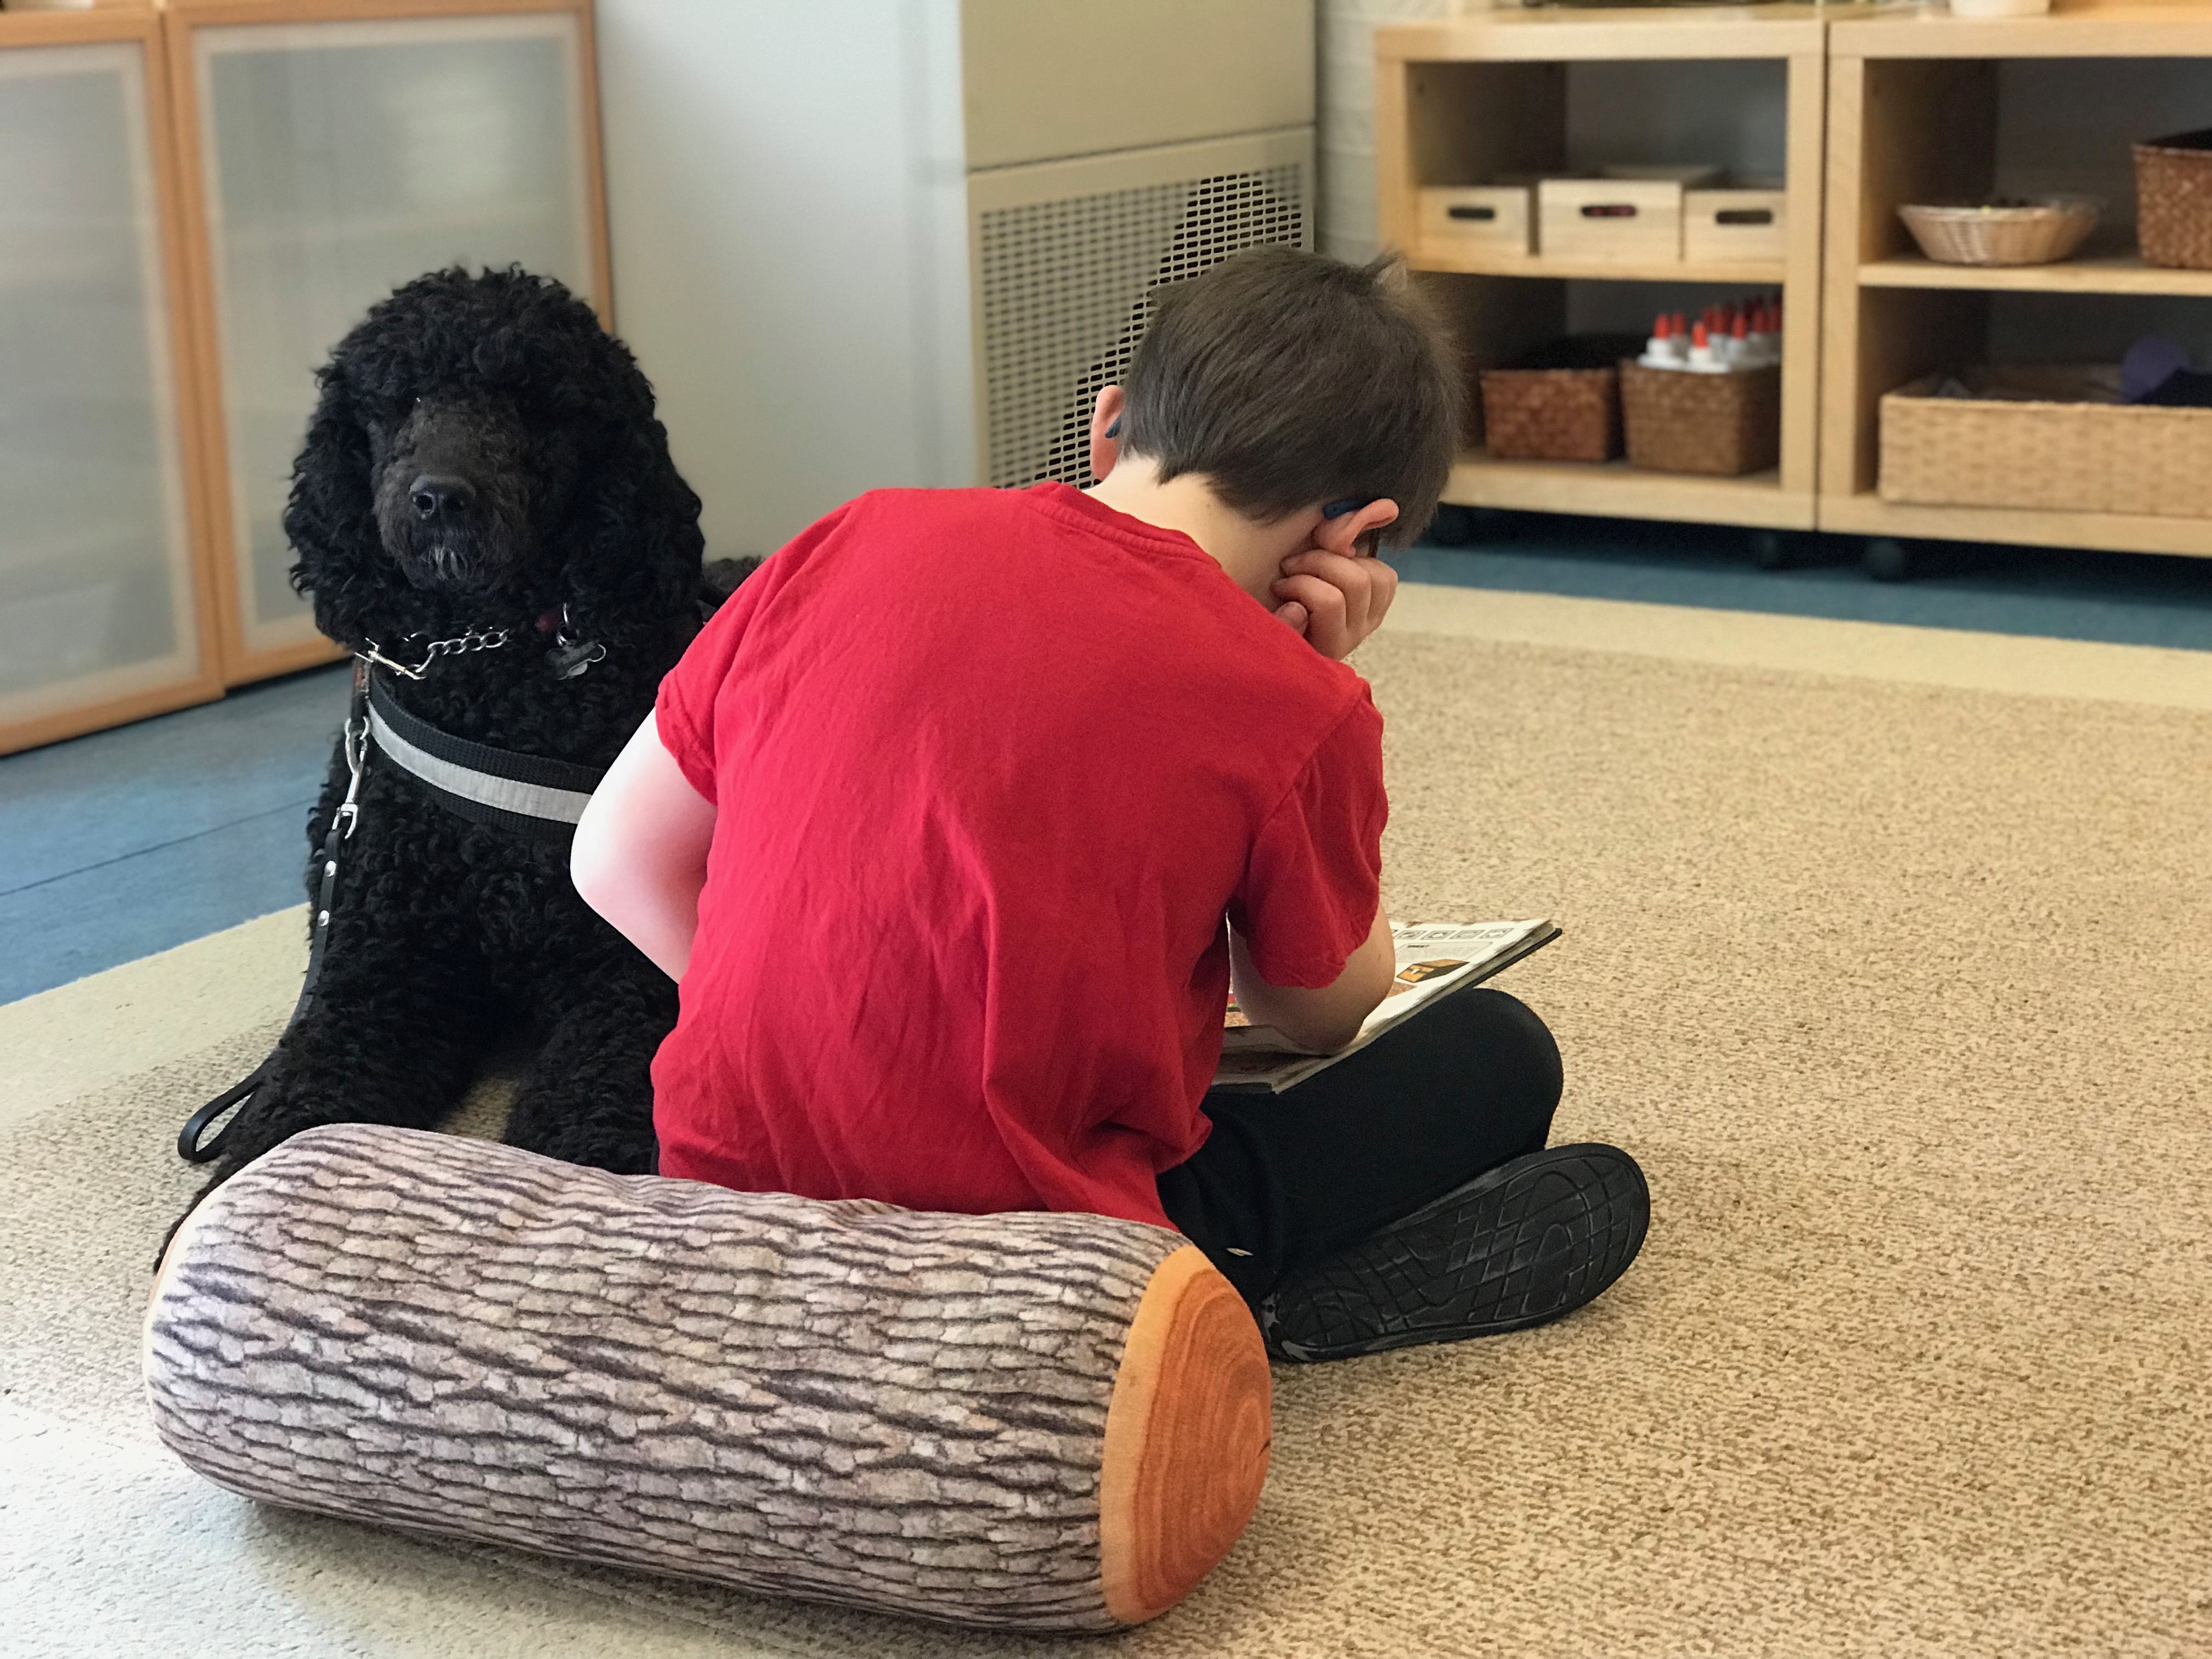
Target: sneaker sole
x=1521 y=1244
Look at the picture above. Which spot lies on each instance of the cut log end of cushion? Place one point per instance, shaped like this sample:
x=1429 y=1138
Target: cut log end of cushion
x=1025 y=1421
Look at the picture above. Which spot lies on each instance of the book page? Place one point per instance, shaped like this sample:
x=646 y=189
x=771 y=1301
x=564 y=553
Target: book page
x=1433 y=958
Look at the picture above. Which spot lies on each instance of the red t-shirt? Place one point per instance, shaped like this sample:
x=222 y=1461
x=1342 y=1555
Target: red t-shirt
x=989 y=768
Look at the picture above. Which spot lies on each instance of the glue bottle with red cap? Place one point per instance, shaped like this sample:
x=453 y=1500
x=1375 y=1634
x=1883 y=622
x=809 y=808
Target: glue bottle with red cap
x=1666 y=349
x=1703 y=359
x=1766 y=337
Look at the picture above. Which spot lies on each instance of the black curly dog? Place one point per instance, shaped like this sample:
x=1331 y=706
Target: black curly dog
x=483 y=456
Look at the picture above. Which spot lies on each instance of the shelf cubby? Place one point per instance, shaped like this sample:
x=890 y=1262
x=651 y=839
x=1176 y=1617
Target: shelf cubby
x=1924 y=106
x=1512 y=94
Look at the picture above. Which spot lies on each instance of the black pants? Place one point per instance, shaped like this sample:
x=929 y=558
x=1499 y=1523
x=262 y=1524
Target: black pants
x=1286 y=1181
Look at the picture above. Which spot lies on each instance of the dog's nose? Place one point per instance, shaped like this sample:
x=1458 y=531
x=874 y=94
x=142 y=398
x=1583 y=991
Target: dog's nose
x=432 y=496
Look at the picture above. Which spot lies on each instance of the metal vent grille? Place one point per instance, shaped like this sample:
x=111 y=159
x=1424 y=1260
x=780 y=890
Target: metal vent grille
x=1066 y=296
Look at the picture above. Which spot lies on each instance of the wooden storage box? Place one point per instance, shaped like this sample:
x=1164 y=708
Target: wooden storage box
x=1633 y=220
x=1720 y=425
x=1494 y=217
x=2055 y=438
x=1734 y=224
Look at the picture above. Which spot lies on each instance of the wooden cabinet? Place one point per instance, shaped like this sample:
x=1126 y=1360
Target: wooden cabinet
x=337 y=151
x=104 y=611
x=1498 y=96
x=201 y=202
x=1877 y=108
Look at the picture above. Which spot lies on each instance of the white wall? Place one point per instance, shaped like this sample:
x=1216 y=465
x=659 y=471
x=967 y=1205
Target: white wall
x=787 y=214
x=1344 y=58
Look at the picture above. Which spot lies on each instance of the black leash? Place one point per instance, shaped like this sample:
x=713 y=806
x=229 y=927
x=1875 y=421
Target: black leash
x=190 y=1146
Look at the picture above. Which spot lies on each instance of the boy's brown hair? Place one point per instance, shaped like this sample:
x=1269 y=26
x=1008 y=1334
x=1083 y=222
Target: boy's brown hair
x=1284 y=378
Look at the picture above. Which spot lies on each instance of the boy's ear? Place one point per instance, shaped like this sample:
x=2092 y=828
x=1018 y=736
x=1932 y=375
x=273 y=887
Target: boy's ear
x=1354 y=533
x=1105 y=424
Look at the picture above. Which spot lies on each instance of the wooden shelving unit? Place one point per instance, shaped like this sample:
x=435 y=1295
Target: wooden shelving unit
x=1919 y=111
x=2120 y=271
x=1451 y=261
x=1475 y=98
x=1616 y=490
x=1883 y=106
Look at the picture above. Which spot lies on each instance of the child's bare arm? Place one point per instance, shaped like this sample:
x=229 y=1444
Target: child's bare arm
x=639 y=857
x=1325 y=1018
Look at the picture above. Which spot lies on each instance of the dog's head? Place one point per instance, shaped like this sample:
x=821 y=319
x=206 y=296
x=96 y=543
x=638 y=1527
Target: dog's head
x=483 y=454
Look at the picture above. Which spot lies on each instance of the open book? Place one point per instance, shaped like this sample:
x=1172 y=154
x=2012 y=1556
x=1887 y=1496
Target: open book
x=1433 y=957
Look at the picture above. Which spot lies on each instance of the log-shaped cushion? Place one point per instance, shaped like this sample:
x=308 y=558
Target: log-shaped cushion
x=1033 y=1421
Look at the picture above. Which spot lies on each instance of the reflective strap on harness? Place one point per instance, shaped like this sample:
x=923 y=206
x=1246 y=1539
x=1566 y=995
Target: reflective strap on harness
x=524 y=785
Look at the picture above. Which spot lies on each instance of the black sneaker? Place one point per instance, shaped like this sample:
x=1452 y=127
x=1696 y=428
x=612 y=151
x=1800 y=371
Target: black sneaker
x=1518 y=1245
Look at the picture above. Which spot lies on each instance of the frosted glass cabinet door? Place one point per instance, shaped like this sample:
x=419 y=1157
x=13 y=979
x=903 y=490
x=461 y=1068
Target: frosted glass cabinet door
x=97 y=603
x=339 y=159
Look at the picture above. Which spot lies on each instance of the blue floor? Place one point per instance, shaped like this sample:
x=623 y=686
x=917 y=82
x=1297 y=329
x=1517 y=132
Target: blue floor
x=2123 y=598
x=127 y=842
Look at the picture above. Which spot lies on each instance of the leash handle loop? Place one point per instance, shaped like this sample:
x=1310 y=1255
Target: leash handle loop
x=190 y=1146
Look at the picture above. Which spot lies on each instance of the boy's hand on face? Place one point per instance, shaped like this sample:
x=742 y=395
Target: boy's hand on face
x=1331 y=591
x=1335 y=599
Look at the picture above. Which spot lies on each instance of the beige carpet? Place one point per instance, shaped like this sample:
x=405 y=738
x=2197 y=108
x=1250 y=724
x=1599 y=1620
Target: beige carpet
x=1899 y=992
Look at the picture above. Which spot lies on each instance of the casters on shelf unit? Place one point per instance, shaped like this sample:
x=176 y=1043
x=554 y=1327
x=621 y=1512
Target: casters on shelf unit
x=1887 y=559
x=1775 y=549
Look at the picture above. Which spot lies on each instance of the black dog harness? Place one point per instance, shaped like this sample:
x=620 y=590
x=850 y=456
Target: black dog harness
x=525 y=794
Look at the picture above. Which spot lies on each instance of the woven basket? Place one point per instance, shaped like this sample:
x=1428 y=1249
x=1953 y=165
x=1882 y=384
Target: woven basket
x=2052 y=438
x=2034 y=235
x=1723 y=425
x=1550 y=414
x=2173 y=200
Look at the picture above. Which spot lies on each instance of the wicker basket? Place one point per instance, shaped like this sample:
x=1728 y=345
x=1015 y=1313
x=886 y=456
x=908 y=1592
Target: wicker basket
x=1561 y=402
x=1550 y=414
x=1720 y=424
x=2033 y=234
x=2052 y=438
x=2173 y=200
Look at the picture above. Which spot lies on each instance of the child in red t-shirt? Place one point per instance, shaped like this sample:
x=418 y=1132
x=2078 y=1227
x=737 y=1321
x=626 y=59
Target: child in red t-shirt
x=959 y=821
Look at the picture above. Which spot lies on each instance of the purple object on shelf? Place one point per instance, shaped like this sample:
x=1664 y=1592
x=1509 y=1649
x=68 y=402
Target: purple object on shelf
x=2150 y=363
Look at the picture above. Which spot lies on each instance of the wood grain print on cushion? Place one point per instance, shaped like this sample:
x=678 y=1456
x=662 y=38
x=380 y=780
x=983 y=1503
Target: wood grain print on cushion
x=841 y=1401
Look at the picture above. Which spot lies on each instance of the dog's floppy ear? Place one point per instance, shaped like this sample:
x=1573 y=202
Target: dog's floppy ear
x=642 y=549
x=330 y=521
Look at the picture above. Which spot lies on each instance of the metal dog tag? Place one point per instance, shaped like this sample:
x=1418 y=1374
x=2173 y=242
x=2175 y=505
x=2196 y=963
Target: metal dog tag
x=570 y=658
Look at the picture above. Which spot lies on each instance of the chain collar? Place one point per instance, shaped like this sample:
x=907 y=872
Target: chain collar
x=477 y=639
x=570 y=656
